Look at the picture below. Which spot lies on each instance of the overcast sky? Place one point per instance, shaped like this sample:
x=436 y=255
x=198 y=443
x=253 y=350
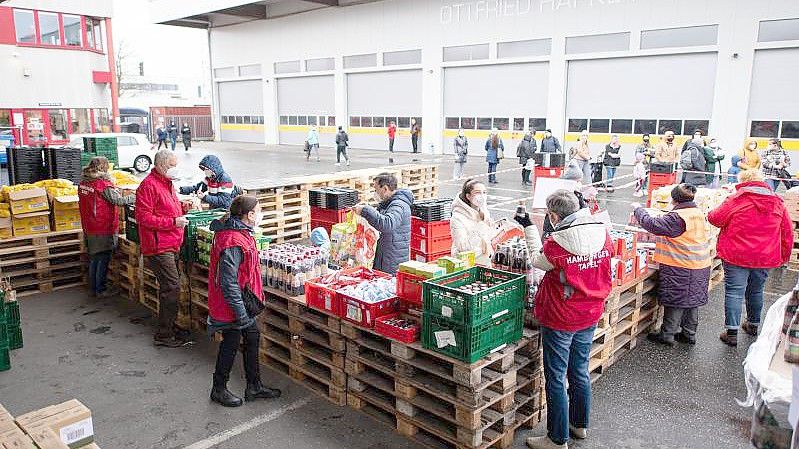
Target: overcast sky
x=168 y=52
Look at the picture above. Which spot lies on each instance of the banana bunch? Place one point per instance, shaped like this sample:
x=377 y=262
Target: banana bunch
x=60 y=183
x=5 y=190
x=5 y=210
x=54 y=192
x=122 y=178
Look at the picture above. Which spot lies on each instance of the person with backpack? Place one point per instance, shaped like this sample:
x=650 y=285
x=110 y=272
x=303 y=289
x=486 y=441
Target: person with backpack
x=524 y=152
x=342 y=142
x=162 y=135
x=461 y=145
x=185 y=133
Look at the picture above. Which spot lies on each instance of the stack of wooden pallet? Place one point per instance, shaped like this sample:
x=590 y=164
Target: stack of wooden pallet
x=436 y=400
x=305 y=344
x=123 y=271
x=286 y=214
x=426 y=396
x=43 y=263
x=198 y=296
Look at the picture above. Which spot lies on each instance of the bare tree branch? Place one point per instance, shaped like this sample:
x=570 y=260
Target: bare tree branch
x=122 y=54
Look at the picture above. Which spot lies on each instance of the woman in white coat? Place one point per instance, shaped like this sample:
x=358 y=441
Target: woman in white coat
x=471 y=224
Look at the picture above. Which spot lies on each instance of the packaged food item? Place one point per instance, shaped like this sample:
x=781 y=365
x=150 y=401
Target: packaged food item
x=288 y=266
x=792 y=342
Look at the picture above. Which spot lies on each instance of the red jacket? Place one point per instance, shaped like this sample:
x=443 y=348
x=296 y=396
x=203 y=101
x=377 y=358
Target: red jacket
x=392 y=130
x=157 y=206
x=249 y=275
x=97 y=215
x=756 y=230
x=571 y=296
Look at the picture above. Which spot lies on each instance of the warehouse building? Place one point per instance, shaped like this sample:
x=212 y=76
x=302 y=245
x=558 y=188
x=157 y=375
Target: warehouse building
x=57 y=76
x=727 y=67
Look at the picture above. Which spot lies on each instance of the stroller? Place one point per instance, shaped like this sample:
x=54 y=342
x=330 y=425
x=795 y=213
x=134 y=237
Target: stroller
x=596 y=173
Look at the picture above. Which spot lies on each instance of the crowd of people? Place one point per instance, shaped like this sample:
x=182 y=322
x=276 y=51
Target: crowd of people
x=166 y=135
x=572 y=250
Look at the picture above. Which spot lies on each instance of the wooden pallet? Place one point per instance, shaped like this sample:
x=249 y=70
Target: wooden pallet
x=67 y=279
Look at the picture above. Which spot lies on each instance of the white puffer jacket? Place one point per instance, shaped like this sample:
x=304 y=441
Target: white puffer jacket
x=470 y=233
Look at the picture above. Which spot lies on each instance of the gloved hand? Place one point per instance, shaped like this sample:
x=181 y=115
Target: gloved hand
x=523 y=220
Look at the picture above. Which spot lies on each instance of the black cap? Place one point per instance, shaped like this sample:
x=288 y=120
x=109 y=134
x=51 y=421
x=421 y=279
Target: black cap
x=549 y=130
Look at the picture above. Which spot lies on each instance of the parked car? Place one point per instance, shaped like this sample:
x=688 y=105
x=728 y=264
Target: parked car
x=135 y=150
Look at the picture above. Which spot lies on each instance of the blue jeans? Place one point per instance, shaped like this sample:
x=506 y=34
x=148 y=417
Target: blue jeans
x=98 y=271
x=773 y=183
x=492 y=168
x=743 y=283
x=173 y=141
x=611 y=171
x=566 y=354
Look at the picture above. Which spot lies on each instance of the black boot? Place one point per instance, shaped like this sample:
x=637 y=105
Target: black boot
x=256 y=390
x=223 y=396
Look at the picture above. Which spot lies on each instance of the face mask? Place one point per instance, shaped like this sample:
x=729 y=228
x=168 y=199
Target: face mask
x=208 y=173
x=377 y=198
x=259 y=216
x=478 y=200
x=752 y=147
x=460 y=134
x=173 y=173
x=646 y=140
x=713 y=145
x=669 y=138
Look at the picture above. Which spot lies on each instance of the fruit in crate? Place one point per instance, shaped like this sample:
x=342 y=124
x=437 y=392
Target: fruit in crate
x=122 y=178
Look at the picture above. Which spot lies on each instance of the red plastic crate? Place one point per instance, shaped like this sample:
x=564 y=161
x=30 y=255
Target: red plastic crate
x=548 y=172
x=409 y=335
x=409 y=287
x=363 y=313
x=326 y=297
x=329 y=215
x=431 y=245
x=321 y=297
x=422 y=257
x=430 y=229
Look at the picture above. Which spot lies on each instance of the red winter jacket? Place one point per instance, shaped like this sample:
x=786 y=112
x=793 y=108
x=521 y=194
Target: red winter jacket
x=97 y=215
x=576 y=257
x=225 y=300
x=756 y=230
x=392 y=131
x=157 y=206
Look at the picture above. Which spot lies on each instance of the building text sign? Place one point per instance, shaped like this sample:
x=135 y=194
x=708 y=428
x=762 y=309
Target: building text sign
x=483 y=10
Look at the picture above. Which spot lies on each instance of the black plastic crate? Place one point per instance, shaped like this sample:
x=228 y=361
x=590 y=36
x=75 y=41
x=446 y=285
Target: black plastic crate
x=336 y=198
x=433 y=210
x=554 y=160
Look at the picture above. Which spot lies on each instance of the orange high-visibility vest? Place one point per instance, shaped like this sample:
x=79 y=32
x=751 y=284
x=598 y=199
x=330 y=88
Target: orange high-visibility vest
x=689 y=250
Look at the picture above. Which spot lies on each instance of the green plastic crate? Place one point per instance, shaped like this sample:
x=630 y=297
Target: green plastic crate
x=472 y=343
x=197 y=219
x=5 y=359
x=14 y=337
x=12 y=313
x=440 y=296
x=4 y=335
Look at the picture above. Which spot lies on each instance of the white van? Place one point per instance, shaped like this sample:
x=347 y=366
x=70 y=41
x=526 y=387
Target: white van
x=135 y=150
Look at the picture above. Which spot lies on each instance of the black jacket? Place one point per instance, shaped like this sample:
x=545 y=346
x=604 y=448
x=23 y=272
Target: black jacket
x=342 y=139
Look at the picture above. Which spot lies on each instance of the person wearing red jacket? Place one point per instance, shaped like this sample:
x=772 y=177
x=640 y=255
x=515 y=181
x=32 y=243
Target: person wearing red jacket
x=98 y=199
x=392 y=131
x=234 y=279
x=159 y=216
x=569 y=302
x=756 y=235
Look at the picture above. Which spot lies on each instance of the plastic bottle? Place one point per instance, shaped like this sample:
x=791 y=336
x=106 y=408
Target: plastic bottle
x=790 y=311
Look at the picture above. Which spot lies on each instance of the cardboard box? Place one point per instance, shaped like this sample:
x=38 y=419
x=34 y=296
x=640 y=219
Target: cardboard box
x=6 y=228
x=66 y=220
x=69 y=422
x=641 y=264
x=624 y=244
x=30 y=224
x=625 y=271
x=65 y=203
x=27 y=201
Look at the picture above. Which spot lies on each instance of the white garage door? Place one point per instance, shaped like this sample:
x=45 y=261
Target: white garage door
x=375 y=98
x=773 y=105
x=630 y=96
x=303 y=102
x=241 y=107
x=510 y=97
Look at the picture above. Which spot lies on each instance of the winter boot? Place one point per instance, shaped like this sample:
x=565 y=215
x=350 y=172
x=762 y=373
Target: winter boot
x=729 y=337
x=256 y=390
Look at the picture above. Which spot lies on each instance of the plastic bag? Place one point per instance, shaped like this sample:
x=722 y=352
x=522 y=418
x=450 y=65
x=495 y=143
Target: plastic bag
x=353 y=243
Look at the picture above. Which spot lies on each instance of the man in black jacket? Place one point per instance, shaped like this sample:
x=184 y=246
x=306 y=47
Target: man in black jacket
x=342 y=142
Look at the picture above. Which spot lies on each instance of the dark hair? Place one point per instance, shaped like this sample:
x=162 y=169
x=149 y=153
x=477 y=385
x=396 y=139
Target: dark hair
x=467 y=188
x=683 y=193
x=339 y=128
x=699 y=131
x=645 y=135
x=777 y=142
x=98 y=163
x=386 y=179
x=242 y=205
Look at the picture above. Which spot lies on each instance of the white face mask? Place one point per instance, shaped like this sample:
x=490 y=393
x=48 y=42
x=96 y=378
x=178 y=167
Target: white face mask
x=478 y=200
x=173 y=173
x=208 y=173
x=259 y=217
x=377 y=197
x=713 y=144
x=460 y=134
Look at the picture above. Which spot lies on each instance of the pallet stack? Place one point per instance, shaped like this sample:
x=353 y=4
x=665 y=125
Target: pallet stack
x=442 y=402
x=286 y=214
x=43 y=263
x=198 y=296
x=305 y=344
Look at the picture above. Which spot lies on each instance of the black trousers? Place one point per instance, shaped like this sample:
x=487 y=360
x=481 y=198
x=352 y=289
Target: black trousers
x=231 y=339
x=415 y=143
x=525 y=175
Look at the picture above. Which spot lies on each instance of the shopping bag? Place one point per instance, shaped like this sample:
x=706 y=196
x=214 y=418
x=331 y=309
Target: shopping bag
x=353 y=243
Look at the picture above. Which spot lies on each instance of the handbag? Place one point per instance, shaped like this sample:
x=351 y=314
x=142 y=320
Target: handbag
x=252 y=303
x=500 y=153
